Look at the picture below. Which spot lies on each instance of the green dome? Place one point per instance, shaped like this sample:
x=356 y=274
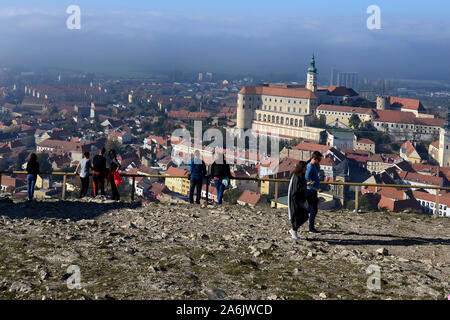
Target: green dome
x=312 y=68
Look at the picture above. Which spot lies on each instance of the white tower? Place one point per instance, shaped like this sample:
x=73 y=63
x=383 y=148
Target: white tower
x=311 y=76
x=244 y=114
x=444 y=143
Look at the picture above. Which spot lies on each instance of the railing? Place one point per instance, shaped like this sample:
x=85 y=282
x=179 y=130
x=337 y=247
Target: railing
x=277 y=181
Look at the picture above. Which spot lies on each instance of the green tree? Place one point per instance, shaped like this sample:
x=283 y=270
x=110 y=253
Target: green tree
x=323 y=137
x=21 y=159
x=114 y=145
x=44 y=162
x=318 y=122
x=354 y=121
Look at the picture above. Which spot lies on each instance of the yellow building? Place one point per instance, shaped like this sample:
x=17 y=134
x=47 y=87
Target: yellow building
x=364 y=144
x=178 y=185
x=340 y=115
x=409 y=152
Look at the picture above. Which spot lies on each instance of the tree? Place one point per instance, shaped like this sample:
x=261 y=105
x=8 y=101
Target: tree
x=114 y=145
x=44 y=162
x=21 y=159
x=323 y=137
x=318 y=122
x=354 y=121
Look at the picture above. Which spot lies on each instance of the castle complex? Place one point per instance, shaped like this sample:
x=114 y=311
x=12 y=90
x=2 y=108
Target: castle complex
x=285 y=110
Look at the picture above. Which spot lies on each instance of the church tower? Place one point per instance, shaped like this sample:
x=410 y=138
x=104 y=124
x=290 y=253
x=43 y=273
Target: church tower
x=444 y=143
x=311 y=77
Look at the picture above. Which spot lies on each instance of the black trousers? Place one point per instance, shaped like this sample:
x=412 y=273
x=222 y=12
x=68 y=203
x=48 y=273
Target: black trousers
x=114 y=190
x=313 y=202
x=196 y=183
x=299 y=217
x=84 y=186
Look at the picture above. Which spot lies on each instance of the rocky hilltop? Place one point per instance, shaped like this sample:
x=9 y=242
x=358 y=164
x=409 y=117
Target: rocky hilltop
x=179 y=251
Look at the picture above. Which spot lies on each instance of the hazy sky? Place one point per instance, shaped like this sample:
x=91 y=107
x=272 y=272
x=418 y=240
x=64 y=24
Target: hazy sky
x=236 y=36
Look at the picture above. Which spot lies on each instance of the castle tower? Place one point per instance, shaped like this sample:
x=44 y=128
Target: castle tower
x=244 y=114
x=383 y=102
x=444 y=143
x=311 y=76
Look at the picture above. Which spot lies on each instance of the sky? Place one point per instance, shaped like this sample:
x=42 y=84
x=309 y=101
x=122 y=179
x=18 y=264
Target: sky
x=245 y=36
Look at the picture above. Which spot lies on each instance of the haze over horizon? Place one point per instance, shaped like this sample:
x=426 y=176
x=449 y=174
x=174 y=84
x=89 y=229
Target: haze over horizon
x=230 y=37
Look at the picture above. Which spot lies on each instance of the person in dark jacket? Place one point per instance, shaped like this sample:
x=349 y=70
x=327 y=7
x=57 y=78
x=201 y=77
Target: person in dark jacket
x=297 y=207
x=114 y=166
x=221 y=174
x=313 y=188
x=197 y=174
x=99 y=172
x=32 y=172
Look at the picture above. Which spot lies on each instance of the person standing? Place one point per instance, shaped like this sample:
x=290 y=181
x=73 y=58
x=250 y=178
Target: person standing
x=84 y=166
x=32 y=172
x=99 y=172
x=114 y=167
x=196 y=176
x=312 y=175
x=297 y=207
x=221 y=174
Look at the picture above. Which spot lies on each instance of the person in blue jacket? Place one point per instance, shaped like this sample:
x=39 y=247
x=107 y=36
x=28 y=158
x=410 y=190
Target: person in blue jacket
x=312 y=175
x=196 y=176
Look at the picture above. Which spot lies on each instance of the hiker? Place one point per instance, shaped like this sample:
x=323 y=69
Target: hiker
x=84 y=166
x=99 y=172
x=297 y=207
x=114 y=167
x=32 y=172
x=220 y=172
x=312 y=175
x=197 y=173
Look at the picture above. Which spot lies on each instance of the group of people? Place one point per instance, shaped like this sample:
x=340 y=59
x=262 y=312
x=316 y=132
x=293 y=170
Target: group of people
x=302 y=194
x=98 y=166
x=100 y=173
x=219 y=171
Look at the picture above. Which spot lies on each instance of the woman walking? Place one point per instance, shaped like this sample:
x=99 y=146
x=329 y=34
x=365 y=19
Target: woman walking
x=84 y=166
x=297 y=206
x=32 y=172
x=114 y=167
x=221 y=174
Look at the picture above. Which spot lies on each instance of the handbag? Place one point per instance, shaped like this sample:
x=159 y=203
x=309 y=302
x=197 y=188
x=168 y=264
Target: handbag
x=226 y=181
x=117 y=178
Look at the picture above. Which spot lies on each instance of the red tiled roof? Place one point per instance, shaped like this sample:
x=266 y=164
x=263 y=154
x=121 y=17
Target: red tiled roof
x=395 y=116
x=249 y=197
x=341 y=91
x=173 y=171
x=330 y=107
x=406 y=103
x=421 y=178
x=407 y=148
x=435 y=144
x=366 y=141
x=278 y=92
x=431 y=197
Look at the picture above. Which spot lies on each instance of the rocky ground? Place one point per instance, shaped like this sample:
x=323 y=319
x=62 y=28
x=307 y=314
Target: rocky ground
x=180 y=251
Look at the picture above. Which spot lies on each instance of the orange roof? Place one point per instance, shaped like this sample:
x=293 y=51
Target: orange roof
x=435 y=144
x=406 y=103
x=421 y=178
x=250 y=197
x=173 y=171
x=366 y=141
x=407 y=148
x=341 y=91
x=395 y=116
x=278 y=92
